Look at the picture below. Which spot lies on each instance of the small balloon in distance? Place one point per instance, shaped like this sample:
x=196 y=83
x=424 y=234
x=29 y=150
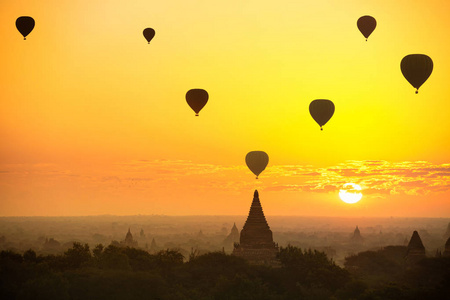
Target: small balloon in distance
x=257 y=161
x=25 y=25
x=321 y=111
x=366 y=24
x=416 y=68
x=149 y=33
x=197 y=99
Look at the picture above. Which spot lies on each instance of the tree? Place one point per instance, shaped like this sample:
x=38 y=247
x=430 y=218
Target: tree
x=78 y=255
x=29 y=256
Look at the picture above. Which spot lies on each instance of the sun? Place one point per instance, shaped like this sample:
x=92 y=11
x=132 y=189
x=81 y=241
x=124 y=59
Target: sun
x=350 y=193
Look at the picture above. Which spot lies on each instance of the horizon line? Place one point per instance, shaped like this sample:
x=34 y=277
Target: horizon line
x=218 y=215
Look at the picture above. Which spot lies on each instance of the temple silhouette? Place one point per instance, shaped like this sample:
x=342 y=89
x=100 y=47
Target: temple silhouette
x=256 y=241
x=129 y=240
x=447 y=233
x=447 y=248
x=356 y=237
x=231 y=239
x=415 y=251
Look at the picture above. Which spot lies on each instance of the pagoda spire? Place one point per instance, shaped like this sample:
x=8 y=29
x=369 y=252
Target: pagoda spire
x=415 y=250
x=256 y=221
x=415 y=243
x=447 y=248
x=256 y=240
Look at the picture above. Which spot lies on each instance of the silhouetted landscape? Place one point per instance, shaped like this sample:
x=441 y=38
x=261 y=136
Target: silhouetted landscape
x=166 y=257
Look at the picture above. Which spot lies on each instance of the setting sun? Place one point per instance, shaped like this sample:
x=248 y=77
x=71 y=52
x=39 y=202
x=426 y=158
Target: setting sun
x=94 y=110
x=350 y=193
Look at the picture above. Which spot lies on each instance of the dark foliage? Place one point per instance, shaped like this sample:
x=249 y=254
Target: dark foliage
x=387 y=275
x=126 y=273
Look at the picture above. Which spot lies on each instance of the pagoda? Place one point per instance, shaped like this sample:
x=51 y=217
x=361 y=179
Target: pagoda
x=357 y=238
x=256 y=241
x=129 y=241
x=447 y=233
x=447 y=248
x=231 y=239
x=415 y=250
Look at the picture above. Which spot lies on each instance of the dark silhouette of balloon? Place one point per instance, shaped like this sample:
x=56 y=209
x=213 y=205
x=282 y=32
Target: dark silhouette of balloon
x=366 y=24
x=197 y=99
x=416 y=68
x=257 y=161
x=25 y=25
x=149 y=33
x=321 y=110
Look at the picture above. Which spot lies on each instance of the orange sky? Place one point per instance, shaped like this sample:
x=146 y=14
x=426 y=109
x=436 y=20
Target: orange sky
x=94 y=120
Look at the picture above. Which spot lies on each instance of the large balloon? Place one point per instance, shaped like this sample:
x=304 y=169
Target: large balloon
x=257 y=161
x=366 y=24
x=321 y=110
x=197 y=98
x=416 y=68
x=25 y=25
x=149 y=33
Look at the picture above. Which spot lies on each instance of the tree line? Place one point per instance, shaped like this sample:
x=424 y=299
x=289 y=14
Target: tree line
x=127 y=273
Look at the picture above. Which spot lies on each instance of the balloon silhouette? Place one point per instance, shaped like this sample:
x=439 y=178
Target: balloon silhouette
x=197 y=98
x=366 y=24
x=416 y=68
x=321 y=110
x=257 y=161
x=149 y=33
x=25 y=25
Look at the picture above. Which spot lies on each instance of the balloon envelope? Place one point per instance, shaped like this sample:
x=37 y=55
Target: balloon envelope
x=321 y=110
x=25 y=25
x=197 y=99
x=416 y=68
x=257 y=161
x=366 y=24
x=149 y=33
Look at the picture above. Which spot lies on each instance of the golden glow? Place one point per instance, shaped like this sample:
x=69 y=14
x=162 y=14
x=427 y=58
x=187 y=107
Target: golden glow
x=350 y=193
x=85 y=97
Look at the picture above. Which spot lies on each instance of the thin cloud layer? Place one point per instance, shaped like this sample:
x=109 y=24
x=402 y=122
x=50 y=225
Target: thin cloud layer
x=375 y=177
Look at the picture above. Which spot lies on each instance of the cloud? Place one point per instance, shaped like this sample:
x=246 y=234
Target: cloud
x=376 y=177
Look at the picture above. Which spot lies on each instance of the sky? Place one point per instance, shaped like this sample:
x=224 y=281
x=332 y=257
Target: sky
x=94 y=119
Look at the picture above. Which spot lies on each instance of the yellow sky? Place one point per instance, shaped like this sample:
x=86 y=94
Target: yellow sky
x=94 y=120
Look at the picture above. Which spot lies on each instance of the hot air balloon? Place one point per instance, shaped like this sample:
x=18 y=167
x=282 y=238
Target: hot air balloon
x=321 y=110
x=197 y=98
x=257 y=161
x=416 y=68
x=25 y=25
x=366 y=24
x=149 y=33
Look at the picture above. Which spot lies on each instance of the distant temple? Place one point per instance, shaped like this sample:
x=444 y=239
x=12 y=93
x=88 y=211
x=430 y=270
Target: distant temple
x=256 y=241
x=447 y=233
x=357 y=238
x=153 y=247
x=129 y=241
x=200 y=235
x=51 y=245
x=415 y=250
x=231 y=239
x=447 y=248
